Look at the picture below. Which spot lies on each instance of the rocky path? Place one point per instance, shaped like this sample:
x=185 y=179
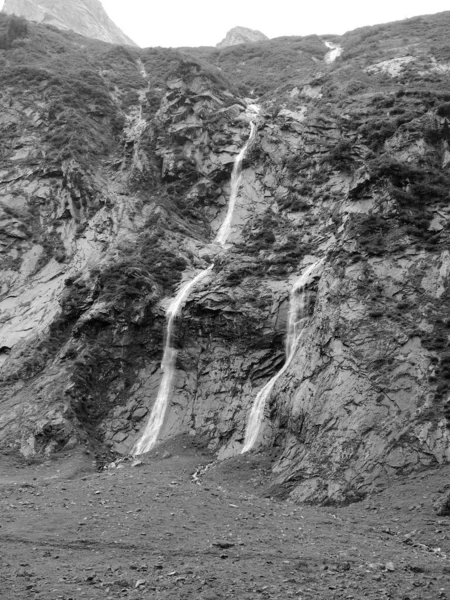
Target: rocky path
x=150 y=532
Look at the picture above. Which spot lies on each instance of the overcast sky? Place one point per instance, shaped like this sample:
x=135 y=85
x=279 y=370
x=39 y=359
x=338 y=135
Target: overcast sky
x=205 y=23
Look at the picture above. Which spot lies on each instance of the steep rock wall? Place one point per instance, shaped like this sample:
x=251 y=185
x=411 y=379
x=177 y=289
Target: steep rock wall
x=359 y=403
x=351 y=167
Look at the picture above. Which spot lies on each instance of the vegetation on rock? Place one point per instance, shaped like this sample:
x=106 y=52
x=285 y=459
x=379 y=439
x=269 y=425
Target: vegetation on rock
x=114 y=178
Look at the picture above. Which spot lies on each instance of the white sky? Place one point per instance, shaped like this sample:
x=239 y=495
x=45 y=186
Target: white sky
x=205 y=23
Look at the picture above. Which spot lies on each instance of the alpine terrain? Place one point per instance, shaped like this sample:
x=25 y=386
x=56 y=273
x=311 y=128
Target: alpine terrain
x=224 y=313
x=87 y=17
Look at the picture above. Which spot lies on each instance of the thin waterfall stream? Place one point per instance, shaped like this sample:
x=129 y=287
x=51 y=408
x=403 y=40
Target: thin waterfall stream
x=297 y=319
x=156 y=420
x=225 y=229
x=154 y=425
x=334 y=53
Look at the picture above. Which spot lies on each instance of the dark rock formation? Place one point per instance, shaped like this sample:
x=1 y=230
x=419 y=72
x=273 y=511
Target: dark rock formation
x=86 y=17
x=442 y=505
x=241 y=35
x=114 y=179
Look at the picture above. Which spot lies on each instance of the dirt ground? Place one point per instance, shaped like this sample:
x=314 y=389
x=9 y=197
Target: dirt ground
x=151 y=532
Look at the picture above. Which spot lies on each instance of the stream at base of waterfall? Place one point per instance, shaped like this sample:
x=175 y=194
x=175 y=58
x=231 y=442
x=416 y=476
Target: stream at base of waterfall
x=299 y=305
x=154 y=425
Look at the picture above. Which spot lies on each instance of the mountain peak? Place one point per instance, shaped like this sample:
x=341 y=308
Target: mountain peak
x=86 y=17
x=241 y=35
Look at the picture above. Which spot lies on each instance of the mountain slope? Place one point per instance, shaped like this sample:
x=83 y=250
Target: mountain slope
x=114 y=179
x=86 y=17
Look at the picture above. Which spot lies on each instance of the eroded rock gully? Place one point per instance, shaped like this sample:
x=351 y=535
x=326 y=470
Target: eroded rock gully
x=93 y=253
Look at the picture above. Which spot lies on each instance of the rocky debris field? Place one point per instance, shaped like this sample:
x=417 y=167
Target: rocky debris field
x=163 y=527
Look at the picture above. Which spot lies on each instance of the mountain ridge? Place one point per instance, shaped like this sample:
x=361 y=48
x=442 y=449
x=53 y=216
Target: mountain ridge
x=86 y=17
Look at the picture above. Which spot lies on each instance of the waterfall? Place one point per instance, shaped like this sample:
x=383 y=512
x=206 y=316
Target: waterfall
x=335 y=51
x=297 y=318
x=225 y=229
x=156 y=420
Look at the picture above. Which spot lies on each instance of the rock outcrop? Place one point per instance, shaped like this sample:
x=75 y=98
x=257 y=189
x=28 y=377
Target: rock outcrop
x=241 y=35
x=86 y=17
x=113 y=184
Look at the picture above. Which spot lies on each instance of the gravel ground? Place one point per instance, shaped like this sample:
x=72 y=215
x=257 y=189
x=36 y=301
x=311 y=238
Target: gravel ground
x=151 y=532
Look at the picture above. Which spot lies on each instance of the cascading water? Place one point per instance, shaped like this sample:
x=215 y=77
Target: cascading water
x=155 y=422
x=298 y=316
x=225 y=229
x=335 y=51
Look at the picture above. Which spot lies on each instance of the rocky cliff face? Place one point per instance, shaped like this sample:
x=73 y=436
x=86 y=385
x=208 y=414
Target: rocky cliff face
x=241 y=35
x=113 y=182
x=86 y=17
